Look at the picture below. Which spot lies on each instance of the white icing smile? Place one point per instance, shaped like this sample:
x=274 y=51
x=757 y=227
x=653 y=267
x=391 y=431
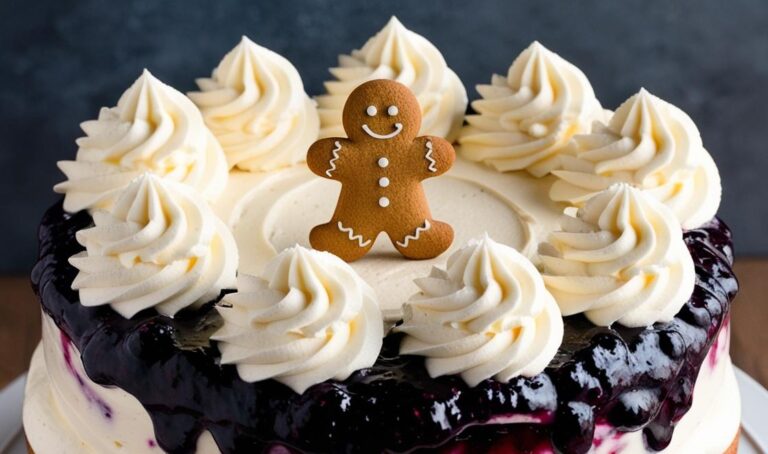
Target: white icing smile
x=398 y=129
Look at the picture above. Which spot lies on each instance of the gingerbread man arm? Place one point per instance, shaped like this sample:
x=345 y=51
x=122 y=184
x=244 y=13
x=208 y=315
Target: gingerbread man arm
x=325 y=157
x=437 y=155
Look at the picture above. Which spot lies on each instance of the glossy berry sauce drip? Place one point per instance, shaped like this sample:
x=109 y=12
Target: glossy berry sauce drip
x=632 y=379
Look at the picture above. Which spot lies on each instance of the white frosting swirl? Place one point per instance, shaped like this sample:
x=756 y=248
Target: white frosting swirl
x=400 y=54
x=256 y=106
x=158 y=246
x=310 y=318
x=525 y=120
x=153 y=128
x=622 y=258
x=487 y=315
x=653 y=145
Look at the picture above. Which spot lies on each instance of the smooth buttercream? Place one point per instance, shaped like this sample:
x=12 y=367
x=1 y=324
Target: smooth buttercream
x=159 y=246
x=525 y=120
x=309 y=318
x=650 y=144
x=400 y=54
x=255 y=105
x=622 y=259
x=153 y=128
x=261 y=211
x=487 y=315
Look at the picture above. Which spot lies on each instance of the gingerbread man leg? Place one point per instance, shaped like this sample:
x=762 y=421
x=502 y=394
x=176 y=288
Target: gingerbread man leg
x=345 y=239
x=426 y=240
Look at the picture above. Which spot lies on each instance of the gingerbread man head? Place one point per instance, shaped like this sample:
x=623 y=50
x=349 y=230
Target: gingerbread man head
x=382 y=110
x=380 y=166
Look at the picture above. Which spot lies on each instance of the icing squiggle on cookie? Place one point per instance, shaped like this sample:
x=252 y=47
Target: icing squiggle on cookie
x=362 y=242
x=416 y=234
x=335 y=158
x=428 y=157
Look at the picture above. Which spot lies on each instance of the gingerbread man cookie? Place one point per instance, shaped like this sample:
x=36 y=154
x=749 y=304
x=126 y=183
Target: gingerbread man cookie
x=381 y=166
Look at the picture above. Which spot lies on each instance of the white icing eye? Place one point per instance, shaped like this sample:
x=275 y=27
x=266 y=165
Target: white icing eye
x=371 y=111
x=392 y=111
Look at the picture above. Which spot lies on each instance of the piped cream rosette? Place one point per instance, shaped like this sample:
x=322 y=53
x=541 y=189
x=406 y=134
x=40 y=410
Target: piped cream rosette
x=159 y=246
x=652 y=145
x=402 y=55
x=255 y=105
x=487 y=315
x=153 y=128
x=309 y=318
x=525 y=120
x=622 y=259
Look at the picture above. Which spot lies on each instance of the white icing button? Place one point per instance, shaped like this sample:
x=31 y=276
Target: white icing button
x=383 y=162
x=383 y=182
x=383 y=202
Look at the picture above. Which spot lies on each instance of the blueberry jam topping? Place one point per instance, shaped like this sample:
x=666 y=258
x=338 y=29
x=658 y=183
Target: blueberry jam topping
x=632 y=379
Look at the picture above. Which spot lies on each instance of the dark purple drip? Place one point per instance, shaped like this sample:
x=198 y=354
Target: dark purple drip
x=90 y=394
x=629 y=378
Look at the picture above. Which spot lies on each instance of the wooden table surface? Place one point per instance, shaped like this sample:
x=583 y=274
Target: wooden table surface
x=20 y=323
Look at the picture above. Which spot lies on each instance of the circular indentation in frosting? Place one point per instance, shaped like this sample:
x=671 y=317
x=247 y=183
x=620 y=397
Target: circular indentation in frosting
x=277 y=210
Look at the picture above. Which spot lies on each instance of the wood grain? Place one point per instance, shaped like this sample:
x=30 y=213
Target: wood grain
x=749 y=315
x=19 y=326
x=20 y=322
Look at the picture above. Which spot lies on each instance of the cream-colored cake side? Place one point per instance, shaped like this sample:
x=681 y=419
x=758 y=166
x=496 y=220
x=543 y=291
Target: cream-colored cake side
x=67 y=413
x=64 y=409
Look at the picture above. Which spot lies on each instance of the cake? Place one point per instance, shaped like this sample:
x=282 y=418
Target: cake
x=583 y=305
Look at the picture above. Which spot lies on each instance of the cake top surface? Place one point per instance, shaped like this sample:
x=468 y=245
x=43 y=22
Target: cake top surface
x=553 y=206
x=529 y=240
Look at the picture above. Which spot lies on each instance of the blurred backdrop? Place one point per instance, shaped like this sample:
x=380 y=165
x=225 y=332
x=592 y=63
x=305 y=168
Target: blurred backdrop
x=60 y=60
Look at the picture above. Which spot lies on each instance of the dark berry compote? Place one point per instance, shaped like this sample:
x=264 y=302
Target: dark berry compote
x=170 y=366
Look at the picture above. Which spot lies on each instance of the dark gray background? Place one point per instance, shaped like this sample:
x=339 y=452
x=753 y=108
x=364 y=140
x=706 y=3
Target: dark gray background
x=61 y=60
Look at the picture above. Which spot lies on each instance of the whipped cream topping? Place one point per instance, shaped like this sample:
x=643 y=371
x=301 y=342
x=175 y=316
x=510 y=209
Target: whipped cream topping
x=309 y=318
x=255 y=105
x=400 y=54
x=487 y=315
x=153 y=128
x=159 y=246
x=622 y=258
x=653 y=145
x=525 y=120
